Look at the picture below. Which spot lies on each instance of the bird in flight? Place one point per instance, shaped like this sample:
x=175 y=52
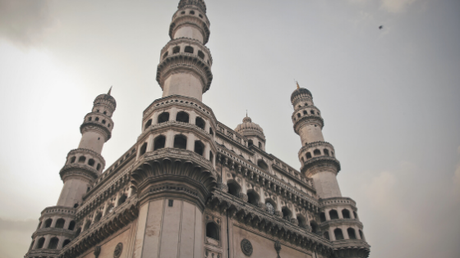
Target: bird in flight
x=381 y=27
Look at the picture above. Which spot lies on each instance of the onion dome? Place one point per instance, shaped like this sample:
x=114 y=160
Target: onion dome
x=300 y=91
x=198 y=3
x=106 y=98
x=248 y=128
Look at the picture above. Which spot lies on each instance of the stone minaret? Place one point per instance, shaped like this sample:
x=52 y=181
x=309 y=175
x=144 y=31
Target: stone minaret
x=185 y=62
x=174 y=173
x=316 y=156
x=83 y=165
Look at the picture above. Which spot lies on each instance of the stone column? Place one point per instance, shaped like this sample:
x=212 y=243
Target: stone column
x=191 y=142
x=150 y=143
x=169 y=139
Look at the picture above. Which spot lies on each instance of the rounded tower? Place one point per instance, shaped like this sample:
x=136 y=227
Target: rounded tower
x=253 y=132
x=185 y=62
x=57 y=224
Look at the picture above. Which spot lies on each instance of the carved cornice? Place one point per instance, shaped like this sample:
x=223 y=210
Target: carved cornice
x=79 y=170
x=187 y=41
x=336 y=201
x=351 y=248
x=88 y=152
x=341 y=222
x=42 y=253
x=96 y=126
x=58 y=210
x=320 y=161
x=315 y=144
x=306 y=120
x=53 y=231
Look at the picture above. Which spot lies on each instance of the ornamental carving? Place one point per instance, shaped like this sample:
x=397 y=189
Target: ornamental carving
x=118 y=250
x=246 y=247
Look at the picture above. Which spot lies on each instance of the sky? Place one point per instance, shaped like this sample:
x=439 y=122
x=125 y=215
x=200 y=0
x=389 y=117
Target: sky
x=390 y=99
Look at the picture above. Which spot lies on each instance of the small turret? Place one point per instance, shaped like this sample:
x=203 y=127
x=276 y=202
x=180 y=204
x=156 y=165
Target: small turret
x=253 y=132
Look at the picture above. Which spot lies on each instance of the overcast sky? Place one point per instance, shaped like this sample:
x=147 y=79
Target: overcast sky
x=390 y=99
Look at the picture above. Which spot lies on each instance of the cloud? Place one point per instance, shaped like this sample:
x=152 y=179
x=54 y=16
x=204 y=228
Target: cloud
x=396 y=6
x=21 y=225
x=25 y=22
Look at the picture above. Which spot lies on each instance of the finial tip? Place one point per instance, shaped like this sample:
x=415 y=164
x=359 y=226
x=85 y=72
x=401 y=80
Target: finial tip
x=110 y=90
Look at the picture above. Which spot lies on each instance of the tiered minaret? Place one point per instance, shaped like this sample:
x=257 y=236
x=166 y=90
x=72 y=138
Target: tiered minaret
x=339 y=219
x=83 y=165
x=185 y=62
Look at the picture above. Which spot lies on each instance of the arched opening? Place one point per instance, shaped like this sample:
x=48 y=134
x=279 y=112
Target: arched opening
x=188 y=49
x=333 y=214
x=361 y=235
x=262 y=164
x=200 y=122
x=53 y=243
x=308 y=155
x=98 y=217
x=60 y=223
x=212 y=230
x=75 y=205
x=72 y=160
x=148 y=124
x=355 y=215
x=82 y=159
x=326 y=152
x=298 y=115
x=91 y=162
x=287 y=214
x=312 y=112
x=322 y=217
x=66 y=242
x=211 y=156
x=302 y=220
x=234 y=188
x=253 y=197
x=345 y=214
x=180 y=141
x=326 y=235
x=159 y=142
x=182 y=117
x=351 y=233
x=105 y=112
x=165 y=55
x=122 y=199
x=103 y=121
x=270 y=207
x=90 y=118
x=48 y=223
x=305 y=112
x=316 y=152
x=192 y=12
x=143 y=149
x=40 y=243
x=78 y=232
x=338 y=234
x=87 y=225
x=314 y=227
x=200 y=54
x=210 y=131
x=199 y=147
x=250 y=143
x=163 y=117
x=260 y=145
x=72 y=225
x=98 y=167
x=96 y=119
x=176 y=50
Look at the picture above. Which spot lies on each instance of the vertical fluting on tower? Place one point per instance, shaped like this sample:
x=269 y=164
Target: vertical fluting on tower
x=316 y=156
x=86 y=163
x=185 y=61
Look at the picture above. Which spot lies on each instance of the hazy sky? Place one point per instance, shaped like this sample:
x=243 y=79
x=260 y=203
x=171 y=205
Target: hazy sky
x=390 y=99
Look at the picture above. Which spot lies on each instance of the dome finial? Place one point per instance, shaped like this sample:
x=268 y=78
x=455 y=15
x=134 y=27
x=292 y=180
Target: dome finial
x=110 y=90
x=246 y=113
x=298 y=86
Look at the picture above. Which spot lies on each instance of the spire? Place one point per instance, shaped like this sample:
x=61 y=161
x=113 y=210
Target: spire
x=298 y=86
x=110 y=90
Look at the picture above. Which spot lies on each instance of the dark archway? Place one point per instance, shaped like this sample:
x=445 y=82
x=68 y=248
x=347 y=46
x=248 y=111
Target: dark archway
x=253 y=197
x=234 y=188
x=199 y=147
x=163 y=117
x=159 y=142
x=338 y=234
x=180 y=141
x=212 y=230
x=200 y=122
x=182 y=117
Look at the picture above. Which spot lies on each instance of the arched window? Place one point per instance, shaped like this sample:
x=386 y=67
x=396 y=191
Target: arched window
x=98 y=167
x=308 y=155
x=270 y=207
x=122 y=199
x=159 y=142
x=148 y=124
x=143 y=149
x=345 y=214
x=199 y=147
x=103 y=121
x=234 y=188
x=53 y=243
x=298 y=114
x=326 y=152
x=182 y=117
x=314 y=227
x=338 y=234
x=333 y=214
x=96 y=119
x=361 y=235
x=40 y=242
x=200 y=54
x=188 y=49
x=48 y=223
x=305 y=112
x=192 y=12
x=78 y=232
x=326 y=235
x=176 y=50
x=60 y=223
x=82 y=159
x=211 y=156
x=66 y=242
x=90 y=118
x=312 y=112
x=105 y=112
x=210 y=131
x=72 y=225
x=87 y=225
x=355 y=215
x=75 y=205
x=212 y=230
x=316 y=152
x=351 y=233
x=262 y=165
x=286 y=213
x=253 y=197
x=72 y=160
x=250 y=143
x=322 y=217
x=91 y=162
x=98 y=217
x=180 y=141
x=165 y=55
x=302 y=220
x=200 y=122
x=163 y=117
x=260 y=145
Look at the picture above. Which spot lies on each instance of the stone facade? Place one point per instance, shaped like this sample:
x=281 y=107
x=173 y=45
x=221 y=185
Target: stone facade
x=193 y=187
